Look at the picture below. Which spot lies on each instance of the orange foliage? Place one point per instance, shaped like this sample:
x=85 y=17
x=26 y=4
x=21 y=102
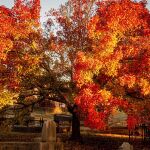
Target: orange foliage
x=17 y=28
x=109 y=55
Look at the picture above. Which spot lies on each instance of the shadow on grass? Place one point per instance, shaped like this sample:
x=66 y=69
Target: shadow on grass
x=98 y=142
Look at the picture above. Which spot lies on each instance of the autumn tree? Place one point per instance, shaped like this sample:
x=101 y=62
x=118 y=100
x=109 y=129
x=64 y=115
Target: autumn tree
x=98 y=49
x=19 y=40
x=96 y=61
x=71 y=36
x=114 y=74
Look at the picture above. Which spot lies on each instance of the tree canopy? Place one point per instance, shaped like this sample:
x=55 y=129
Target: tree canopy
x=115 y=72
x=97 y=60
x=19 y=29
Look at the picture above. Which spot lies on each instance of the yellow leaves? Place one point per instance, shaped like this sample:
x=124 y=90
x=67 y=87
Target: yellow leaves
x=5 y=46
x=106 y=94
x=113 y=42
x=109 y=46
x=6 y=98
x=94 y=63
x=97 y=66
x=145 y=86
x=146 y=90
x=81 y=56
x=16 y=36
x=29 y=64
x=111 y=68
x=20 y=68
x=86 y=77
x=9 y=44
x=34 y=45
x=92 y=27
x=144 y=83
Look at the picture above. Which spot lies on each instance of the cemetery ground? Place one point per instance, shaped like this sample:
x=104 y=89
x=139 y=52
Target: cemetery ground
x=91 y=140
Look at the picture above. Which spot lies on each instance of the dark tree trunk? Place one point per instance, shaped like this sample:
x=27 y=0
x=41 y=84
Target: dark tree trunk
x=75 y=126
x=75 y=123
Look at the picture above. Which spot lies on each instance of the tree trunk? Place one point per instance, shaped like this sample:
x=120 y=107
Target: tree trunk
x=75 y=127
x=75 y=123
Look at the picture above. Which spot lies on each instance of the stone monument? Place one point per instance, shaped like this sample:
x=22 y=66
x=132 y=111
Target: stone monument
x=126 y=146
x=48 y=140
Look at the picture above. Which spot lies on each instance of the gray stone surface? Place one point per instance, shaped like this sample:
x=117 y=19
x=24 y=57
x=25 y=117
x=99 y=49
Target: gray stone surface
x=126 y=146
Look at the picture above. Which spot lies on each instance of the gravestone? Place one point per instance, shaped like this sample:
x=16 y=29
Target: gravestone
x=48 y=140
x=49 y=131
x=126 y=146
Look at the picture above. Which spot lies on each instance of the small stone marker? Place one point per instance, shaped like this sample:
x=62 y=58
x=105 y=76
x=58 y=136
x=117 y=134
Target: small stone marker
x=49 y=131
x=126 y=146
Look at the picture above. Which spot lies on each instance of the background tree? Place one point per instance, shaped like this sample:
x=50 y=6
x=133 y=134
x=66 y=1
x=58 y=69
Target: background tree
x=19 y=29
x=71 y=36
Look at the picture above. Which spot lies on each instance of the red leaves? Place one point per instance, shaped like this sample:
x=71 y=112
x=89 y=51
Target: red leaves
x=35 y=11
x=97 y=105
x=6 y=11
x=96 y=120
x=132 y=122
x=27 y=10
x=119 y=60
